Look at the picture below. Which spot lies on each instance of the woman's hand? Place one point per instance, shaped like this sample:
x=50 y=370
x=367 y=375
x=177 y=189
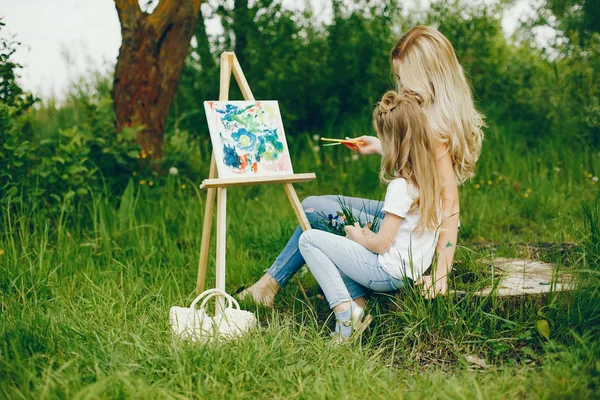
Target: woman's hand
x=371 y=145
x=355 y=232
x=430 y=289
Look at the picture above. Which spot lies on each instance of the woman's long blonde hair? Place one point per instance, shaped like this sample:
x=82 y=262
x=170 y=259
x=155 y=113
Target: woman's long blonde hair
x=409 y=151
x=425 y=63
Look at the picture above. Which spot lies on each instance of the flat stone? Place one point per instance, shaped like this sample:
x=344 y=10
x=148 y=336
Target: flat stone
x=519 y=277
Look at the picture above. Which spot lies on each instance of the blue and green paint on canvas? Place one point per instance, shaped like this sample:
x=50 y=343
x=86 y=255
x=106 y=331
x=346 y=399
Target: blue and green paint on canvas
x=248 y=138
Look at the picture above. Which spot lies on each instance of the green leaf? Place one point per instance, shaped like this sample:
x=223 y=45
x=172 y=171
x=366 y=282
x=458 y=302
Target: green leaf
x=70 y=194
x=75 y=169
x=543 y=328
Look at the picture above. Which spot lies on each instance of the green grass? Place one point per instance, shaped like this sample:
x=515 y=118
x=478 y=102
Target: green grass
x=85 y=294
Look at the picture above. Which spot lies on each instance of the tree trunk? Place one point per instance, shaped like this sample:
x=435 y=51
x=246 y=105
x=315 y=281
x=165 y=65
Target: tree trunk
x=151 y=58
x=203 y=50
x=241 y=23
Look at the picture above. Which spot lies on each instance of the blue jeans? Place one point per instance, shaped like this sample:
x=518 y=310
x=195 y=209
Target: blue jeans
x=322 y=213
x=343 y=267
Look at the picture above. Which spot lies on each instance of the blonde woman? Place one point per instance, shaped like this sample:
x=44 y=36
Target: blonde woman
x=425 y=65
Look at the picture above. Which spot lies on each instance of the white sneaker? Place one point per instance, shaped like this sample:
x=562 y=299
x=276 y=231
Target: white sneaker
x=359 y=323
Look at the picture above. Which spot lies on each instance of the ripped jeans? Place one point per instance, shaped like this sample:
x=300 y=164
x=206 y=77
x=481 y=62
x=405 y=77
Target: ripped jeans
x=323 y=213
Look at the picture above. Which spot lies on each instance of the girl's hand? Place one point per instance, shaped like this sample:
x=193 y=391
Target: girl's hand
x=354 y=232
x=371 y=145
x=430 y=289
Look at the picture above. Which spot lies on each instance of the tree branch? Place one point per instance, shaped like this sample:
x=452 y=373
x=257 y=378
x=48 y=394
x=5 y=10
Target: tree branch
x=196 y=4
x=163 y=14
x=128 y=11
x=167 y=10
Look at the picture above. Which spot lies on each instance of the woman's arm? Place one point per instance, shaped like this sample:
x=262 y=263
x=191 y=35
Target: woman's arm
x=437 y=282
x=379 y=242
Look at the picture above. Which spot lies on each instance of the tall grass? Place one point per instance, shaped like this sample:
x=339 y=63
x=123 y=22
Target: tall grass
x=85 y=294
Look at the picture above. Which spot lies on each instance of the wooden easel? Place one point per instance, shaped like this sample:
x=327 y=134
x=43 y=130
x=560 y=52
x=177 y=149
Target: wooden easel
x=229 y=64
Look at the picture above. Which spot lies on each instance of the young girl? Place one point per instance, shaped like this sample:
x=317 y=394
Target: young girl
x=423 y=62
x=405 y=244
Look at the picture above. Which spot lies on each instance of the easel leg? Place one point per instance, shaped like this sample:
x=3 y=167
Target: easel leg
x=297 y=206
x=206 y=229
x=303 y=221
x=221 y=247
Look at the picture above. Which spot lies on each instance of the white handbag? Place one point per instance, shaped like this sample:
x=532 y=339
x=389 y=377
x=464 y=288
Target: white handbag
x=197 y=325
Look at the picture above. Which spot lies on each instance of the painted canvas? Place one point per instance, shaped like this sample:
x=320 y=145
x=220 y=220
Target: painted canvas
x=248 y=138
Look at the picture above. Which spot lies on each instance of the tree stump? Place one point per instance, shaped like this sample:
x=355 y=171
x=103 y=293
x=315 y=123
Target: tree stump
x=519 y=277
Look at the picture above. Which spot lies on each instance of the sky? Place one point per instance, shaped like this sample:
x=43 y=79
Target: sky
x=63 y=40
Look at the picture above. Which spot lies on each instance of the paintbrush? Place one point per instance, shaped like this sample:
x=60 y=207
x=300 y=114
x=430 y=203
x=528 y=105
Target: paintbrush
x=341 y=141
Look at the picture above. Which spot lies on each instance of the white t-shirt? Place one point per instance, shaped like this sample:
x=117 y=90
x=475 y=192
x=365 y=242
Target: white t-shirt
x=412 y=252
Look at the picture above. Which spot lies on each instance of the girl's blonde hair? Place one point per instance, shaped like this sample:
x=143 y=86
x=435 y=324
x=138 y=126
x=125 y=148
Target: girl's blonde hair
x=428 y=66
x=409 y=151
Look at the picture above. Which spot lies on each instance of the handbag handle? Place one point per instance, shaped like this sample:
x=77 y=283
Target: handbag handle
x=218 y=292
x=208 y=294
x=201 y=296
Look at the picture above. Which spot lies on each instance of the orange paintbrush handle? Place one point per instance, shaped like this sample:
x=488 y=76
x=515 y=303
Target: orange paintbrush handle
x=350 y=141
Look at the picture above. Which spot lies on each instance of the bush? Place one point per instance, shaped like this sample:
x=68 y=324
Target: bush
x=14 y=107
x=327 y=74
x=66 y=163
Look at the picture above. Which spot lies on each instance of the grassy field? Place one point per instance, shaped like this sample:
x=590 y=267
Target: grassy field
x=85 y=294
